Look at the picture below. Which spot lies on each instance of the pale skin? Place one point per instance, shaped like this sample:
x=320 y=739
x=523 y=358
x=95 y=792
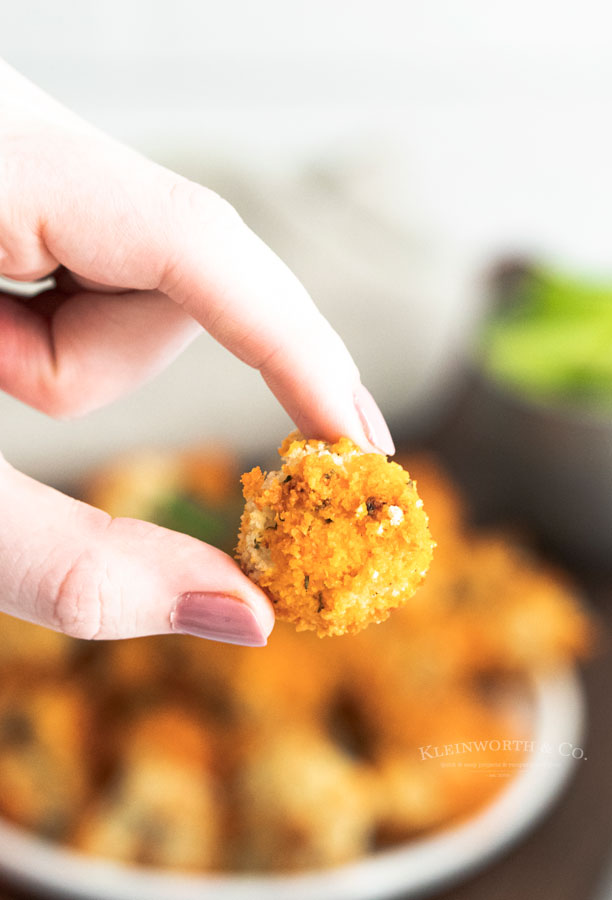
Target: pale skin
x=148 y=260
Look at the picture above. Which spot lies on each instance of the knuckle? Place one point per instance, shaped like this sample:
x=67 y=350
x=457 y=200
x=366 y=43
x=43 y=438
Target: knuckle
x=24 y=255
x=83 y=597
x=196 y=199
x=191 y=211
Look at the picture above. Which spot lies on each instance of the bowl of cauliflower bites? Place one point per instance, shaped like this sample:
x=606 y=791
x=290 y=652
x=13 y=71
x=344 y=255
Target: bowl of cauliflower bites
x=386 y=740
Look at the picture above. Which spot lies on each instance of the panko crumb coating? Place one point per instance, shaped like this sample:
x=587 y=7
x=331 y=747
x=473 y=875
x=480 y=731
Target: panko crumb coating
x=337 y=537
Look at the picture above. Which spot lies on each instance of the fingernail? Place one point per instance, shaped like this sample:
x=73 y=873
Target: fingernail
x=217 y=617
x=373 y=422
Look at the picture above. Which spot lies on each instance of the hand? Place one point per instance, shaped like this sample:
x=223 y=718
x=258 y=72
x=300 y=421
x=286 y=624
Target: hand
x=148 y=259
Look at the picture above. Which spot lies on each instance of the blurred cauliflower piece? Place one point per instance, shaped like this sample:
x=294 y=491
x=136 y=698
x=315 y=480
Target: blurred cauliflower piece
x=305 y=803
x=26 y=644
x=161 y=808
x=44 y=729
x=337 y=537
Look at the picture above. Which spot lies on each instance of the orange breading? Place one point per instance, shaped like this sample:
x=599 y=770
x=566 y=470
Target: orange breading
x=338 y=538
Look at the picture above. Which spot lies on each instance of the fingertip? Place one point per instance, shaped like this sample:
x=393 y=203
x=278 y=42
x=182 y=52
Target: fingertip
x=375 y=428
x=261 y=606
x=220 y=617
x=355 y=415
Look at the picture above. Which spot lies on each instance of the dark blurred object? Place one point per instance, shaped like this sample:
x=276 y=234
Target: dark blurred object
x=547 y=464
x=506 y=280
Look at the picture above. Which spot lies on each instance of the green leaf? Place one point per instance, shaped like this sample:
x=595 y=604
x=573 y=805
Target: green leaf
x=215 y=525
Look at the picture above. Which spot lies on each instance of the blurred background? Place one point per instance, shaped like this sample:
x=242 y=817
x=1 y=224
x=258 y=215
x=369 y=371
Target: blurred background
x=389 y=154
x=439 y=176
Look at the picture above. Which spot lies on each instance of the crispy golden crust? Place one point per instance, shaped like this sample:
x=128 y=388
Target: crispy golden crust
x=337 y=537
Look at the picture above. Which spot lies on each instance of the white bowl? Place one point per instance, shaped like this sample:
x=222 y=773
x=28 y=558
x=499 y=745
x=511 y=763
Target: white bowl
x=414 y=869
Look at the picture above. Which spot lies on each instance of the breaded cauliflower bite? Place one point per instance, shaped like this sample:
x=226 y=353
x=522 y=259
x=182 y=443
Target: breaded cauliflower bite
x=337 y=537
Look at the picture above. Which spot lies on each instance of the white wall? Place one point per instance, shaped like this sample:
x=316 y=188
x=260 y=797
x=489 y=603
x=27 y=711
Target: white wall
x=460 y=129
x=499 y=112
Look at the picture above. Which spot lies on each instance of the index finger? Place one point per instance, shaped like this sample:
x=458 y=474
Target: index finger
x=79 y=198
x=247 y=298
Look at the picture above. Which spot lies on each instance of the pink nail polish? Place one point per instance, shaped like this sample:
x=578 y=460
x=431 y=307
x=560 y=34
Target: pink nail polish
x=217 y=617
x=373 y=422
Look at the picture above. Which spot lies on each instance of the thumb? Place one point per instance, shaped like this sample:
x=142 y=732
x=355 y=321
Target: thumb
x=71 y=567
